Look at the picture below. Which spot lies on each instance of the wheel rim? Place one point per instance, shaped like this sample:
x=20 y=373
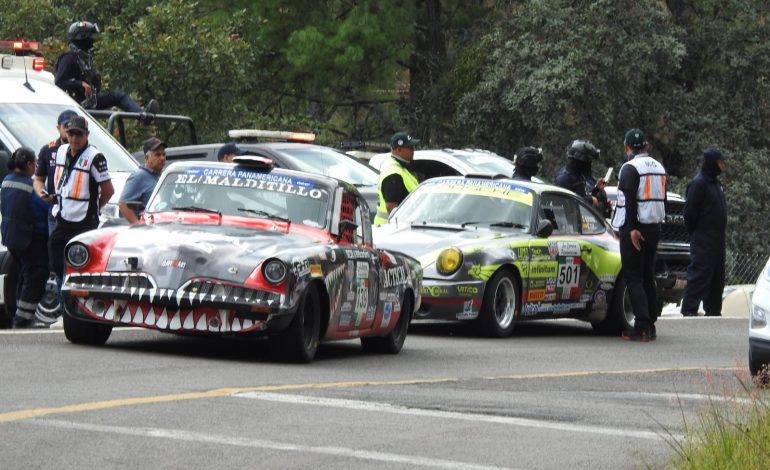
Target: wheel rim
x=628 y=309
x=505 y=303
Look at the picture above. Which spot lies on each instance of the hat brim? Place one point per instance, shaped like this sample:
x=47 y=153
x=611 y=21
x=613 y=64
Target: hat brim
x=76 y=128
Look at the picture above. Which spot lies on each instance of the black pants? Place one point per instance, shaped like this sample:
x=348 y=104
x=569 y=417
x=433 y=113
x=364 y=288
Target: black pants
x=109 y=99
x=62 y=233
x=705 y=274
x=639 y=272
x=33 y=274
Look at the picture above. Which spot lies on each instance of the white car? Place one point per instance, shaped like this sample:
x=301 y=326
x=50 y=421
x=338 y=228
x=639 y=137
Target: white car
x=759 y=329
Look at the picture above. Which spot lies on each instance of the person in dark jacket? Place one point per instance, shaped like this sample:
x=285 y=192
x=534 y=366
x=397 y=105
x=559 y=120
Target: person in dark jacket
x=576 y=175
x=527 y=161
x=76 y=74
x=705 y=216
x=24 y=231
x=46 y=166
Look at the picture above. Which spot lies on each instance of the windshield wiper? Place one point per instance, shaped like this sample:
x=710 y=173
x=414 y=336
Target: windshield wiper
x=197 y=209
x=265 y=214
x=496 y=224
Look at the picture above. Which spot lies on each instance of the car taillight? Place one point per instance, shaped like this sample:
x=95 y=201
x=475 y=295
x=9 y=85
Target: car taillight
x=38 y=64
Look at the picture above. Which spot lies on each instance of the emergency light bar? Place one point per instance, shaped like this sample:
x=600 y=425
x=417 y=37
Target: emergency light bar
x=23 y=48
x=276 y=135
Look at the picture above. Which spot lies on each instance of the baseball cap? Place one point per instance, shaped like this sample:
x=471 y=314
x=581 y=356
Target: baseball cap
x=402 y=139
x=635 y=138
x=77 y=123
x=714 y=153
x=153 y=143
x=229 y=149
x=65 y=116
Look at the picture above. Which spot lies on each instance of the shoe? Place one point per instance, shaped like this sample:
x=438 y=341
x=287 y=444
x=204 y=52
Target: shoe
x=689 y=314
x=152 y=107
x=642 y=336
x=33 y=322
x=718 y=314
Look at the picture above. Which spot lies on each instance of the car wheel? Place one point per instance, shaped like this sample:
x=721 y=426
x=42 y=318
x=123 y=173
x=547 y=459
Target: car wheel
x=49 y=309
x=500 y=305
x=620 y=314
x=393 y=341
x=7 y=312
x=84 y=332
x=299 y=341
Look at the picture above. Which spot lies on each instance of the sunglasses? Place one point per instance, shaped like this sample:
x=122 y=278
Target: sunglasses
x=75 y=133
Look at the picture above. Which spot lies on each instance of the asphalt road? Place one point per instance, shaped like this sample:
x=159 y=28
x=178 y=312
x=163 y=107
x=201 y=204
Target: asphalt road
x=552 y=396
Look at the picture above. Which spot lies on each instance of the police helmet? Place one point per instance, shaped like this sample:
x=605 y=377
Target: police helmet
x=582 y=150
x=82 y=30
x=529 y=157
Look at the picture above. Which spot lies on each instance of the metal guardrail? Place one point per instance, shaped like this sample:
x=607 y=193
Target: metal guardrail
x=117 y=118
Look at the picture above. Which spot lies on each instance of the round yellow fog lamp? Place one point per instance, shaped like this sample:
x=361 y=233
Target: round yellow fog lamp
x=449 y=261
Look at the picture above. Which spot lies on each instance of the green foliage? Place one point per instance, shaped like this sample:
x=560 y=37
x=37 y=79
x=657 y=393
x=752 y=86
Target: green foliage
x=35 y=20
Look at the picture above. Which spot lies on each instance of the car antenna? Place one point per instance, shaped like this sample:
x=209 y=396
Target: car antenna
x=26 y=78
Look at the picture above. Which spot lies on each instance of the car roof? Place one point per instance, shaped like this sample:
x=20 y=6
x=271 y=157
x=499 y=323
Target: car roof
x=536 y=187
x=456 y=156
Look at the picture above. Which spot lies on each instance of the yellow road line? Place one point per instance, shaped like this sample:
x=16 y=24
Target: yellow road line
x=224 y=392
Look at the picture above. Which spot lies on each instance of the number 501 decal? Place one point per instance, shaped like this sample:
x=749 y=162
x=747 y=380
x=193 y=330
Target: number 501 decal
x=568 y=275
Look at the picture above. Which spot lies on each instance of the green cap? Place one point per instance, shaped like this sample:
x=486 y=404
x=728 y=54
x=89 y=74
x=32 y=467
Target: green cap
x=635 y=138
x=402 y=139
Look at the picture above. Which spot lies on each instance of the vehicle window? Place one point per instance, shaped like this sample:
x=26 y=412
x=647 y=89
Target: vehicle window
x=329 y=162
x=488 y=164
x=427 y=169
x=34 y=125
x=171 y=157
x=360 y=239
x=590 y=224
x=468 y=201
x=562 y=211
x=243 y=192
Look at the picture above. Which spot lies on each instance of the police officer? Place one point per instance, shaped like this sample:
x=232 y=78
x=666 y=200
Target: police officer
x=705 y=216
x=46 y=165
x=638 y=214
x=576 y=175
x=75 y=74
x=25 y=233
x=83 y=187
x=397 y=180
x=527 y=161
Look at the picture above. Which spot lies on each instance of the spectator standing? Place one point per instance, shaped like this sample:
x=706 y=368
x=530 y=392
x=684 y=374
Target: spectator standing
x=527 y=161
x=397 y=179
x=46 y=166
x=25 y=233
x=228 y=152
x=705 y=216
x=576 y=175
x=139 y=186
x=83 y=187
x=638 y=214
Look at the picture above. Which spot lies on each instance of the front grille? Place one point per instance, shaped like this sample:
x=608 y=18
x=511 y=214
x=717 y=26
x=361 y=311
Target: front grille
x=673 y=229
x=123 y=281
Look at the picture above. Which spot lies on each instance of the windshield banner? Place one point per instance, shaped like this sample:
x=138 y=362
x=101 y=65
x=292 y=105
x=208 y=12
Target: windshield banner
x=241 y=178
x=491 y=188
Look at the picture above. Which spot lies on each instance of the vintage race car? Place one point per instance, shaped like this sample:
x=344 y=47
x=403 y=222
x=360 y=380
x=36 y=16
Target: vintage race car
x=499 y=251
x=244 y=249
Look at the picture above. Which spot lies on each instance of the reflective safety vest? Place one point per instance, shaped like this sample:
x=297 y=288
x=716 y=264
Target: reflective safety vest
x=73 y=187
x=650 y=196
x=392 y=167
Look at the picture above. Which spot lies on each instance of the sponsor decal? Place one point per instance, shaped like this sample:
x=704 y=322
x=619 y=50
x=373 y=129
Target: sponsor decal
x=535 y=295
x=491 y=188
x=242 y=178
x=537 y=283
x=370 y=313
x=543 y=269
x=538 y=308
x=357 y=254
x=606 y=285
x=467 y=290
x=362 y=299
x=316 y=270
x=553 y=250
x=322 y=255
x=300 y=266
x=433 y=291
x=600 y=297
x=550 y=284
x=549 y=297
x=568 y=248
x=345 y=320
x=362 y=270
x=387 y=310
x=173 y=263
x=383 y=296
x=482 y=272
x=607 y=278
x=585 y=298
x=566 y=307
x=352 y=296
x=394 y=277
x=346 y=307
x=467 y=308
x=569 y=277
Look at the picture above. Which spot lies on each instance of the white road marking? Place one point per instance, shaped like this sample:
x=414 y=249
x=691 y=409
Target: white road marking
x=190 y=436
x=389 y=408
x=689 y=396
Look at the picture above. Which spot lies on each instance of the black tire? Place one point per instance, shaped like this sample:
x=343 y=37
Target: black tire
x=299 y=341
x=8 y=310
x=500 y=306
x=620 y=314
x=49 y=309
x=393 y=341
x=83 y=332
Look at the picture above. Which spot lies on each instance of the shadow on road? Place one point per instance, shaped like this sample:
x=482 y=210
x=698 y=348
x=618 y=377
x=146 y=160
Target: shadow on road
x=531 y=329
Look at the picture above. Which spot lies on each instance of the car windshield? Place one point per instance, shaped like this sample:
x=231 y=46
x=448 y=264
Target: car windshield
x=34 y=125
x=467 y=202
x=243 y=192
x=329 y=162
x=488 y=164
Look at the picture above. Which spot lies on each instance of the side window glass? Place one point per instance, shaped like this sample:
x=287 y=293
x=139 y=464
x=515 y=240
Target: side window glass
x=590 y=224
x=563 y=213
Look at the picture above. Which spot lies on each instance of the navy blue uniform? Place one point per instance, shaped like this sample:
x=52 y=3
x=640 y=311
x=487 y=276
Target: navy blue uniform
x=24 y=231
x=705 y=216
x=70 y=75
x=46 y=167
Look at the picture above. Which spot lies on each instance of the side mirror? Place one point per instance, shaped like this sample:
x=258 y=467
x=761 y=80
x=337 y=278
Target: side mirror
x=544 y=229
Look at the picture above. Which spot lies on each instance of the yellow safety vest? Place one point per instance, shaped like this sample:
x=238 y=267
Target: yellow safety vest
x=392 y=167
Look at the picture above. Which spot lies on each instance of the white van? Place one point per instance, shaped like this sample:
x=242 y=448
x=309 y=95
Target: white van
x=30 y=103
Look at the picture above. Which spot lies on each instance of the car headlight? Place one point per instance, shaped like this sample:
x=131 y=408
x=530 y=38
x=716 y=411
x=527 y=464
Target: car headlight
x=758 y=317
x=274 y=271
x=449 y=261
x=77 y=255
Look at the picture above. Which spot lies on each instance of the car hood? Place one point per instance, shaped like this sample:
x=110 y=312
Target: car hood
x=174 y=253
x=426 y=242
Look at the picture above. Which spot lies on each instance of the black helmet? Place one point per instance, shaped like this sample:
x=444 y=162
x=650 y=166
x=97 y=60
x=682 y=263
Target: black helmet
x=529 y=157
x=582 y=150
x=82 y=30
